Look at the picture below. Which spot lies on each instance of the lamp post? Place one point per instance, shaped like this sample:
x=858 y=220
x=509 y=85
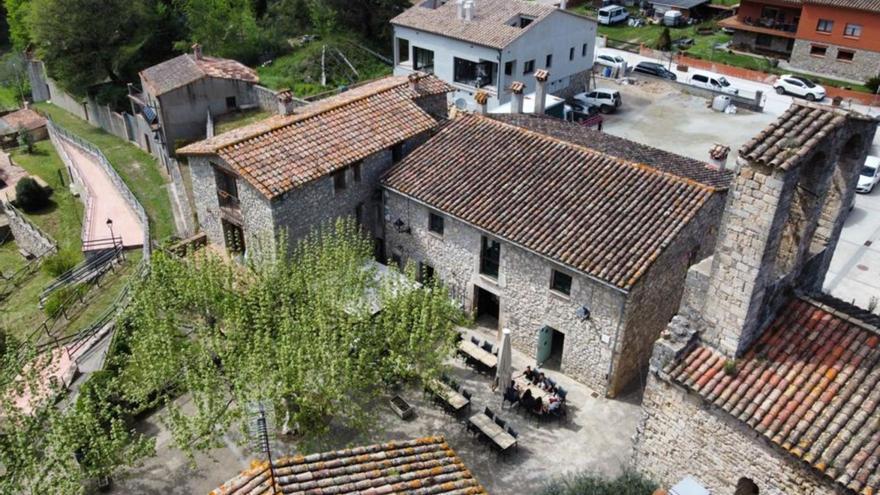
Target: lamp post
x=112 y=237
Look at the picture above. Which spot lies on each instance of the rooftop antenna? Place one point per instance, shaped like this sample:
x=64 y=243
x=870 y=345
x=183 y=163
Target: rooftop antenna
x=259 y=433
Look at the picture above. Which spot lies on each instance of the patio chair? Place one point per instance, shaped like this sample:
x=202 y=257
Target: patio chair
x=487 y=346
x=561 y=392
x=472 y=428
x=465 y=394
x=512 y=432
x=488 y=412
x=500 y=422
x=475 y=341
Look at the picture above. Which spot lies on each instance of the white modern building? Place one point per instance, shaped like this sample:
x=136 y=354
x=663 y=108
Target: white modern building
x=488 y=44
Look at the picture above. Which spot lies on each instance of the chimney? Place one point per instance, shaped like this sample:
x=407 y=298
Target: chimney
x=563 y=4
x=459 y=5
x=27 y=105
x=541 y=77
x=469 y=10
x=197 y=51
x=285 y=102
x=516 y=104
x=482 y=99
x=718 y=156
x=414 y=78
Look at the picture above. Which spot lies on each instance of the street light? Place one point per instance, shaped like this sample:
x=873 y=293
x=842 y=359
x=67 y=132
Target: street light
x=113 y=237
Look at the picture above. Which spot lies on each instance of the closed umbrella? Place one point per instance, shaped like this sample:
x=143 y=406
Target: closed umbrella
x=504 y=371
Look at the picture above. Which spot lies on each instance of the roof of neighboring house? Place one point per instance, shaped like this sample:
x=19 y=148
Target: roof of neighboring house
x=488 y=26
x=280 y=153
x=621 y=148
x=810 y=385
x=24 y=118
x=604 y=216
x=414 y=467
x=866 y=5
x=680 y=4
x=187 y=68
x=795 y=134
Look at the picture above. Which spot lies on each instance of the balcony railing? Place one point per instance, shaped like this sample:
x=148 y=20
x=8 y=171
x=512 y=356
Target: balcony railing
x=771 y=23
x=228 y=200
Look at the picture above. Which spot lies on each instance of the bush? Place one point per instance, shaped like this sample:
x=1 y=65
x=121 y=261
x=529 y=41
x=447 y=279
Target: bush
x=873 y=84
x=30 y=196
x=60 y=263
x=628 y=483
x=62 y=298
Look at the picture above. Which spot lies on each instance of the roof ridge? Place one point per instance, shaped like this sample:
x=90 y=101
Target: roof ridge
x=823 y=302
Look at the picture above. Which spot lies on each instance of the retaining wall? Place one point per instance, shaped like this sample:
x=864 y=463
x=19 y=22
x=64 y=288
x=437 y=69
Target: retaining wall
x=28 y=237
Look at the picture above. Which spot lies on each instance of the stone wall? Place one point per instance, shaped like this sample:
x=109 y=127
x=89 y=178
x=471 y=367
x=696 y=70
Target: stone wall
x=681 y=435
x=28 y=237
x=526 y=301
x=864 y=65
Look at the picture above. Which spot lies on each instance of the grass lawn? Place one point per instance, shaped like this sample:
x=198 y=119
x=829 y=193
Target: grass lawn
x=102 y=297
x=139 y=170
x=230 y=121
x=300 y=70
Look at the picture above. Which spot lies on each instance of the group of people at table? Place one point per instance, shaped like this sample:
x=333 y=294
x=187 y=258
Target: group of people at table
x=535 y=392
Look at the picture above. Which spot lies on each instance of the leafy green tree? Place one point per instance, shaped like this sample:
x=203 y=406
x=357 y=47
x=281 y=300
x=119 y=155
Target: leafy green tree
x=664 y=41
x=226 y=28
x=17 y=12
x=296 y=333
x=13 y=74
x=369 y=18
x=288 y=18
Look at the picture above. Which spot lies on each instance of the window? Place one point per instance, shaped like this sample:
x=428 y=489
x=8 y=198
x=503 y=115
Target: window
x=852 y=30
x=571 y=53
x=435 y=223
x=397 y=259
x=845 y=55
x=584 y=50
x=230 y=103
x=402 y=51
x=359 y=213
x=764 y=40
x=227 y=189
x=818 y=50
x=356 y=170
x=339 y=180
x=509 y=67
x=423 y=60
x=824 y=26
x=397 y=153
x=549 y=62
x=525 y=21
x=560 y=282
x=529 y=67
x=476 y=74
x=426 y=273
x=490 y=257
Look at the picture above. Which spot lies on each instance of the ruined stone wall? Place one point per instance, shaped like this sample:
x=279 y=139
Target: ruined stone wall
x=680 y=435
x=862 y=67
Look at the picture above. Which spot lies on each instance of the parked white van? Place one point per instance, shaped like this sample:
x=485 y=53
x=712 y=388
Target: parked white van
x=612 y=14
x=713 y=82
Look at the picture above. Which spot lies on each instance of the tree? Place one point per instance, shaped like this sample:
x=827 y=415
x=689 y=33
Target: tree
x=296 y=333
x=226 y=28
x=13 y=74
x=288 y=18
x=664 y=41
x=17 y=12
x=370 y=17
x=84 y=42
x=30 y=196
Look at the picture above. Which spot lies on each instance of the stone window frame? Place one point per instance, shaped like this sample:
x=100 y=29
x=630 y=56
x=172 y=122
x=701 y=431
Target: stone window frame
x=559 y=290
x=436 y=224
x=818 y=51
x=856 y=30
x=486 y=245
x=825 y=26
x=851 y=53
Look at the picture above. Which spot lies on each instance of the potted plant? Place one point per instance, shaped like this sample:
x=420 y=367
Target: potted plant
x=402 y=408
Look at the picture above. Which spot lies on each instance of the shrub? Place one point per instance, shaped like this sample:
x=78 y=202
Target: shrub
x=60 y=263
x=664 y=41
x=62 y=298
x=628 y=483
x=873 y=84
x=30 y=196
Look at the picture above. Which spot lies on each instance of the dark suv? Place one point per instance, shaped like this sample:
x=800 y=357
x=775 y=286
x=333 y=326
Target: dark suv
x=654 y=69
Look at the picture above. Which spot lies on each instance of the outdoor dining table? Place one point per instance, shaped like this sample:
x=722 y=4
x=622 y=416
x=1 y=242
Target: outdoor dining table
x=497 y=434
x=449 y=395
x=486 y=358
x=536 y=390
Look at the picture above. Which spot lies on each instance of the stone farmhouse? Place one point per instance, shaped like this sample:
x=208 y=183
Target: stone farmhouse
x=577 y=241
x=487 y=44
x=761 y=382
x=288 y=174
x=179 y=95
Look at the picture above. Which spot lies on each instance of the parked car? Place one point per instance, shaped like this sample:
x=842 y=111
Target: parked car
x=655 y=69
x=870 y=175
x=611 y=60
x=712 y=81
x=606 y=99
x=612 y=14
x=578 y=111
x=799 y=86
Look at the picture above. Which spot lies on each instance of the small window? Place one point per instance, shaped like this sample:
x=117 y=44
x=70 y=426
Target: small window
x=549 y=61
x=584 y=50
x=397 y=260
x=356 y=170
x=339 y=180
x=359 y=213
x=402 y=50
x=529 y=67
x=435 y=223
x=426 y=273
x=397 y=153
x=852 y=30
x=571 y=53
x=490 y=257
x=845 y=55
x=508 y=68
x=818 y=50
x=824 y=26
x=230 y=103
x=560 y=282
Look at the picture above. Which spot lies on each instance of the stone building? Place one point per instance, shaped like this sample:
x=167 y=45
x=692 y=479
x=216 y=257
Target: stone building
x=291 y=173
x=178 y=94
x=761 y=383
x=575 y=240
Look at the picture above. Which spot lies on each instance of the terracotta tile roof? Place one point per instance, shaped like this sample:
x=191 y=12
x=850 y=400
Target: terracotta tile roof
x=621 y=148
x=488 y=26
x=810 y=384
x=416 y=467
x=866 y=5
x=795 y=134
x=603 y=216
x=185 y=69
x=283 y=152
x=24 y=118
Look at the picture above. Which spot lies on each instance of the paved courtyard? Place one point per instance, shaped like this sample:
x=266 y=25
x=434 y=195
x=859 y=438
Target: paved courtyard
x=596 y=437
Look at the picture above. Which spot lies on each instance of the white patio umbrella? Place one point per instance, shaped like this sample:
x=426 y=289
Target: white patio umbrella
x=504 y=371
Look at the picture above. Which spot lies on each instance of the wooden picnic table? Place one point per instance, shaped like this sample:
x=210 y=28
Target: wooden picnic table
x=454 y=399
x=536 y=390
x=478 y=353
x=497 y=434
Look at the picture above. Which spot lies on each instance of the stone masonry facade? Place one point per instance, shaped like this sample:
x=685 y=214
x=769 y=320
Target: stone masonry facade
x=864 y=65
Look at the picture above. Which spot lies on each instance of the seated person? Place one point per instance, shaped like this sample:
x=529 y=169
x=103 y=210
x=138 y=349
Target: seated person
x=527 y=400
x=539 y=406
x=529 y=374
x=538 y=379
x=511 y=394
x=553 y=406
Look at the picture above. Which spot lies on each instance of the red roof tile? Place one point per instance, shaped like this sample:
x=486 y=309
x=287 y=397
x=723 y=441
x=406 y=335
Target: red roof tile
x=604 y=216
x=185 y=69
x=810 y=384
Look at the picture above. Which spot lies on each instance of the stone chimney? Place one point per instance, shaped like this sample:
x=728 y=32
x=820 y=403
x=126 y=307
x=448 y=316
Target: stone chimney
x=27 y=105
x=482 y=100
x=718 y=156
x=285 y=102
x=541 y=77
x=469 y=6
x=516 y=104
x=563 y=4
x=459 y=6
x=414 y=78
x=197 y=51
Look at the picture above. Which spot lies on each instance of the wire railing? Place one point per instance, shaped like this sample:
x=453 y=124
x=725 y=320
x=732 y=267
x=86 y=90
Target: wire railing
x=87 y=270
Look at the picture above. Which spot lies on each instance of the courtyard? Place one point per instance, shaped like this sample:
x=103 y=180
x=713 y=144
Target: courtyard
x=596 y=437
